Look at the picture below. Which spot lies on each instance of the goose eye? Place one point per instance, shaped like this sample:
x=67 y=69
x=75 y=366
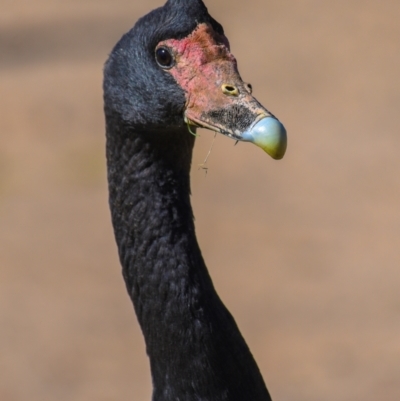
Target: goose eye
x=164 y=57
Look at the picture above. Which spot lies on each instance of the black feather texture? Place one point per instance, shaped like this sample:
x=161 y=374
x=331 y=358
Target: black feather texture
x=195 y=348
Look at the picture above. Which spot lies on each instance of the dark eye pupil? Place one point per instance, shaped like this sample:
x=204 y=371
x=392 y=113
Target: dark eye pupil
x=164 y=57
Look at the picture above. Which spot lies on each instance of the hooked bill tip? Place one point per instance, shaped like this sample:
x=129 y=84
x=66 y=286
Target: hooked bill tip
x=270 y=135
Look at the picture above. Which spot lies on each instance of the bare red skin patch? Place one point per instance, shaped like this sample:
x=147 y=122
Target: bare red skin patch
x=203 y=64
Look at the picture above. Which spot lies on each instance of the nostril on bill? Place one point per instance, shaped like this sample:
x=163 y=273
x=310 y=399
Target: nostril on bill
x=230 y=90
x=249 y=88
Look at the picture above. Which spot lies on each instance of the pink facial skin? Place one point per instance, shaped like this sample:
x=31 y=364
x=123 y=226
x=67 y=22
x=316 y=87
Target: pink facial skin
x=203 y=64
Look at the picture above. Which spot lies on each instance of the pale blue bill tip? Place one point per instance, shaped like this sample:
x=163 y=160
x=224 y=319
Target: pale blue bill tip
x=270 y=135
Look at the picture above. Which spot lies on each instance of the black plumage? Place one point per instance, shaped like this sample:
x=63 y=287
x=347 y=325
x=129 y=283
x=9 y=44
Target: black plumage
x=195 y=348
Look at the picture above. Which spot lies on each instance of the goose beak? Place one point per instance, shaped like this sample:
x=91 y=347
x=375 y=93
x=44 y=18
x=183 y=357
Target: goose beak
x=266 y=132
x=216 y=96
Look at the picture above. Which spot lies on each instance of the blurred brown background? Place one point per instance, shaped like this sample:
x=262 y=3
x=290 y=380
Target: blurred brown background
x=305 y=252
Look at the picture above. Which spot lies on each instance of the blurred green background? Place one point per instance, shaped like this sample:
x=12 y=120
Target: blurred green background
x=305 y=252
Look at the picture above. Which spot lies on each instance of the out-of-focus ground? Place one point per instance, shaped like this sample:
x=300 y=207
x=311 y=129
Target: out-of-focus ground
x=305 y=252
